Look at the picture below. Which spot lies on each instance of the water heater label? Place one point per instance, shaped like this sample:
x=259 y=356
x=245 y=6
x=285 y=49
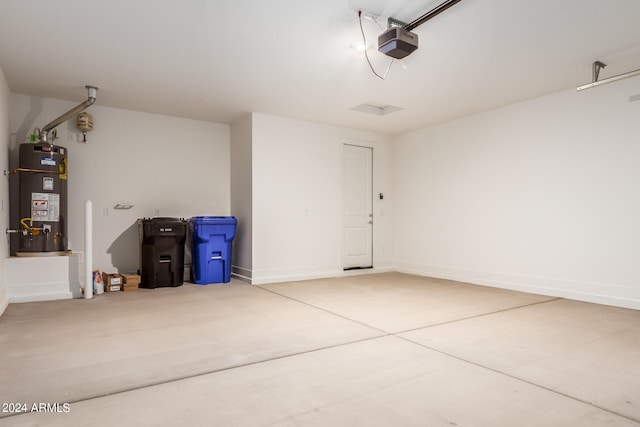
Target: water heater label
x=46 y=161
x=45 y=207
x=47 y=183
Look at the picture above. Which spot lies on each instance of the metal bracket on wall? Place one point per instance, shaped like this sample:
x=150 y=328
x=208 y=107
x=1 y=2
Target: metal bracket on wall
x=123 y=206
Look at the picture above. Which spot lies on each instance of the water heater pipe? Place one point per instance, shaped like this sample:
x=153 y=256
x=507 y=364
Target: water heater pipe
x=55 y=123
x=88 y=249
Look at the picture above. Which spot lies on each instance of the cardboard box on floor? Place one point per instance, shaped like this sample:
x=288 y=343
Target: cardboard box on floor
x=112 y=282
x=131 y=278
x=131 y=282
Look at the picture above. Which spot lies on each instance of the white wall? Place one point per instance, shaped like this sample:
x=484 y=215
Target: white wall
x=4 y=187
x=165 y=166
x=297 y=198
x=242 y=195
x=541 y=196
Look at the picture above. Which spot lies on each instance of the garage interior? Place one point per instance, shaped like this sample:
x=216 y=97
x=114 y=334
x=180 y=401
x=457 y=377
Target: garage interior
x=492 y=278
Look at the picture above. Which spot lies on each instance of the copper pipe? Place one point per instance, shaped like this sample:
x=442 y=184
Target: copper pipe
x=16 y=170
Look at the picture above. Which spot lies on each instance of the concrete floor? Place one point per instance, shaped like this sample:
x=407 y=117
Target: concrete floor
x=372 y=350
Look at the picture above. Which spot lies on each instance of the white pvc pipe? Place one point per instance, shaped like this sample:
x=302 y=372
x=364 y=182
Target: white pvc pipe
x=88 y=249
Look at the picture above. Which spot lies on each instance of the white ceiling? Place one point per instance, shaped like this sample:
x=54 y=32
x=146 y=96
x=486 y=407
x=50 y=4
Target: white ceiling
x=218 y=60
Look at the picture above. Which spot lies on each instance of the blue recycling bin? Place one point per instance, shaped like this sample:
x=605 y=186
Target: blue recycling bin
x=211 y=239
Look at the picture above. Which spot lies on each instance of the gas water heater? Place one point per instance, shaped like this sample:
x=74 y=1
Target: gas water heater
x=42 y=204
x=43 y=199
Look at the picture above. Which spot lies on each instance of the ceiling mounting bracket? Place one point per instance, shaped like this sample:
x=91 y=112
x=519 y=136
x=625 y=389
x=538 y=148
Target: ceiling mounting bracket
x=393 y=22
x=597 y=66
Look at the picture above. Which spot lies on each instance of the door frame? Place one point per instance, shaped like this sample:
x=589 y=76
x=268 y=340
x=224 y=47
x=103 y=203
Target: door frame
x=372 y=146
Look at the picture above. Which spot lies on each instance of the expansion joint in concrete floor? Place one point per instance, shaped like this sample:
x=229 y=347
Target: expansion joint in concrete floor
x=397 y=334
x=333 y=313
x=228 y=368
x=506 y=374
x=462 y=319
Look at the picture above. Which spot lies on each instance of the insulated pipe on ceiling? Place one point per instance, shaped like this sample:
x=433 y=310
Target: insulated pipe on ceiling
x=50 y=126
x=432 y=13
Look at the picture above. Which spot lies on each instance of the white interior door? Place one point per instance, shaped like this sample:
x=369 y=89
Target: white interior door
x=358 y=211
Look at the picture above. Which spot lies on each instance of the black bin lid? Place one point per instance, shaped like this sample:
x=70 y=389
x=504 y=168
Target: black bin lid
x=163 y=226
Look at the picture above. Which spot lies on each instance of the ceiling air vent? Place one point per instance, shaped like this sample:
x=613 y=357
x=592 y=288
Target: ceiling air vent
x=377 y=109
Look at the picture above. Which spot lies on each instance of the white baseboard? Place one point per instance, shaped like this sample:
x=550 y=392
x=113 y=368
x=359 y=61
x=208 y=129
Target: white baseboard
x=263 y=277
x=299 y=274
x=607 y=294
x=4 y=299
x=241 y=273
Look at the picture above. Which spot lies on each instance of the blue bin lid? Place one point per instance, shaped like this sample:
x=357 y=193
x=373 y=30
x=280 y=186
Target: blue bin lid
x=218 y=220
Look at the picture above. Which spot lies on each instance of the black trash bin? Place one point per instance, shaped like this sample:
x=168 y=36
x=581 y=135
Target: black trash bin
x=161 y=251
